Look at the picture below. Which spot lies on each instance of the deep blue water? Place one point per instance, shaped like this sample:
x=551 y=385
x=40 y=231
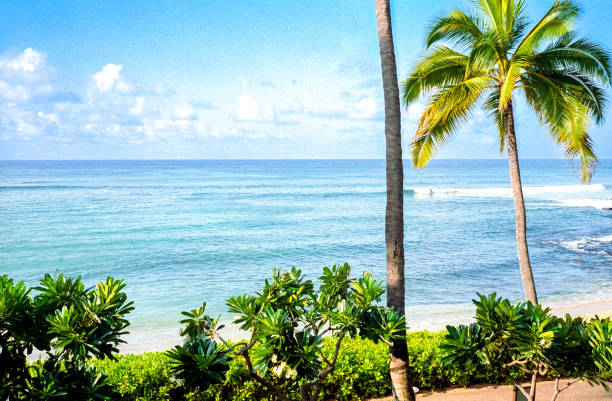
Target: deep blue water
x=181 y=232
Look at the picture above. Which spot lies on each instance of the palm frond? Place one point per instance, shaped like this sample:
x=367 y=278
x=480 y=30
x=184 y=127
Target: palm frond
x=561 y=106
x=441 y=66
x=568 y=52
x=573 y=84
x=455 y=26
x=557 y=21
x=575 y=139
x=507 y=87
x=584 y=90
x=487 y=52
x=447 y=110
x=563 y=77
x=491 y=103
x=494 y=10
x=516 y=22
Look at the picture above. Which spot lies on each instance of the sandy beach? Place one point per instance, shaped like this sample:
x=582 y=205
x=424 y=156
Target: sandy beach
x=602 y=309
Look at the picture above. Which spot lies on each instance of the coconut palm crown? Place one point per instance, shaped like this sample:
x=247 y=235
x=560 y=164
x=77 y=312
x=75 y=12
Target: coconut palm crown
x=483 y=57
x=493 y=56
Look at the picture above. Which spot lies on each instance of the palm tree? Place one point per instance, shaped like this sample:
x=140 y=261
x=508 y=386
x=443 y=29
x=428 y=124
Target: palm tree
x=394 y=215
x=491 y=56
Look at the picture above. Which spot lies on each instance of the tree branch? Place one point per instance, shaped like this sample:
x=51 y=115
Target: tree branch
x=245 y=354
x=332 y=365
x=559 y=390
x=310 y=391
x=519 y=364
x=521 y=389
x=542 y=369
x=324 y=359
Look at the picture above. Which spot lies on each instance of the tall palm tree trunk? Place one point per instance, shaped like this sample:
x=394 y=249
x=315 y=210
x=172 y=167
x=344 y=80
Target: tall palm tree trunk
x=394 y=216
x=519 y=206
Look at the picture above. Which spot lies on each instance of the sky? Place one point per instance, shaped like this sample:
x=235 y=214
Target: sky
x=250 y=79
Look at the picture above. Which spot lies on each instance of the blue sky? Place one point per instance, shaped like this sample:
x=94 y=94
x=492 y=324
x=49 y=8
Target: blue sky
x=225 y=79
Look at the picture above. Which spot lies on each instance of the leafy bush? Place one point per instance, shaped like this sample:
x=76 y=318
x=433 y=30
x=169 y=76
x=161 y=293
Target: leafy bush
x=199 y=363
x=286 y=322
x=528 y=339
x=287 y=351
x=138 y=377
x=362 y=371
x=72 y=323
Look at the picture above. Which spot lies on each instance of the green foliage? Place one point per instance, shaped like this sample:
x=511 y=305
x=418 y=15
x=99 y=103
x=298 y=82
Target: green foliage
x=487 y=55
x=197 y=323
x=17 y=327
x=139 y=377
x=462 y=345
x=287 y=320
x=72 y=323
x=527 y=337
x=199 y=363
x=68 y=380
x=600 y=339
x=362 y=371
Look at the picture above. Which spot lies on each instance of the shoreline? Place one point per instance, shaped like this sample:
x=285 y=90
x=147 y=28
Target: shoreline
x=153 y=338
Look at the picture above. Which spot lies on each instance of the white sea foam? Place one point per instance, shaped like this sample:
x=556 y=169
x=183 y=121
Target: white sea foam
x=602 y=204
x=589 y=245
x=507 y=192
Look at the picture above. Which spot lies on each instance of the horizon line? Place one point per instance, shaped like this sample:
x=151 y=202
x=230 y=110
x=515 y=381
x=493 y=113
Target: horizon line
x=269 y=159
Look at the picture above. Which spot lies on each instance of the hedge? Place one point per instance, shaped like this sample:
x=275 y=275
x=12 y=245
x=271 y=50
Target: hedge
x=362 y=371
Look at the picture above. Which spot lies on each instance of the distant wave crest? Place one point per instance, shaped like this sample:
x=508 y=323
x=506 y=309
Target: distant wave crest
x=602 y=204
x=590 y=245
x=505 y=191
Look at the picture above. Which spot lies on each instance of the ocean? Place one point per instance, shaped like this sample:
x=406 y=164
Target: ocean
x=183 y=232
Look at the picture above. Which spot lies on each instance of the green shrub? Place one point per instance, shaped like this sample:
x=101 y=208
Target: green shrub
x=286 y=323
x=73 y=324
x=362 y=371
x=526 y=340
x=138 y=377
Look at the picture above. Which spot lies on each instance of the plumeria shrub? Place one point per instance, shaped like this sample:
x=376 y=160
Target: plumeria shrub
x=73 y=324
x=286 y=322
x=527 y=338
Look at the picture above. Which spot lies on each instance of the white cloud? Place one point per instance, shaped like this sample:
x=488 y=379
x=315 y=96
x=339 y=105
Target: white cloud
x=138 y=107
x=364 y=109
x=24 y=76
x=484 y=139
x=109 y=76
x=292 y=108
x=52 y=117
x=247 y=107
x=183 y=111
x=480 y=116
x=13 y=92
x=17 y=124
x=115 y=111
x=268 y=113
x=27 y=62
x=415 y=111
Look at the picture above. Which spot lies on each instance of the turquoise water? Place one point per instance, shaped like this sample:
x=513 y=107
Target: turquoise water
x=181 y=232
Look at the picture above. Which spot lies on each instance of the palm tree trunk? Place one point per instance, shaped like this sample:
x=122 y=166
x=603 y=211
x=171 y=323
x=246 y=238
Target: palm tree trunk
x=519 y=206
x=394 y=216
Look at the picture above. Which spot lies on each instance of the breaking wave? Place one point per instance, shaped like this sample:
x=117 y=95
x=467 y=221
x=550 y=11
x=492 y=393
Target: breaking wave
x=602 y=204
x=507 y=192
x=601 y=245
